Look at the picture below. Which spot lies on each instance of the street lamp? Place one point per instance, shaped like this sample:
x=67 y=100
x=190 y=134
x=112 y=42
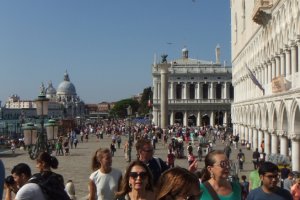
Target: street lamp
x=129 y=113
x=40 y=143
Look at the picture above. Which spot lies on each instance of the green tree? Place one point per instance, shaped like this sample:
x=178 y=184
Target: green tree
x=120 y=108
x=146 y=96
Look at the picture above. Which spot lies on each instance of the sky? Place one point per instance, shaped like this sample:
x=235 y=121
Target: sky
x=106 y=46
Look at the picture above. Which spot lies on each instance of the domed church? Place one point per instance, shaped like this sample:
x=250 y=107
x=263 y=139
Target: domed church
x=66 y=95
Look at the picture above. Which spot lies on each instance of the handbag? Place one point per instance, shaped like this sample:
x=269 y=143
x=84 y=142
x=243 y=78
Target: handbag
x=211 y=191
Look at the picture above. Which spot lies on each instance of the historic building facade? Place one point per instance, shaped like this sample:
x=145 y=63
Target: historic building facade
x=265 y=70
x=199 y=92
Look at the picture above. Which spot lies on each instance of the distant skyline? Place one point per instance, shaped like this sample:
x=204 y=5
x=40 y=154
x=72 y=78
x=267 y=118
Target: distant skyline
x=106 y=46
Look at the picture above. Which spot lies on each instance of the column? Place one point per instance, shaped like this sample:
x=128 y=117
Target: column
x=183 y=91
x=187 y=91
x=283 y=144
x=269 y=72
x=274 y=148
x=159 y=91
x=273 y=68
x=185 y=118
x=212 y=118
x=295 y=152
x=255 y=138
x=293 y=59
x=199 y=119
x=172 y=118
x=246 y=135
x=267 y=140
x=282 y=63
x=211 y=90
x=287 y=62
x=250 y=136
x=266 y=73
x=197 y=90
x=260 y=139
x=164 y=93
x=298 y=46
x=155 y=90
x=225 y=119
x=277 y=65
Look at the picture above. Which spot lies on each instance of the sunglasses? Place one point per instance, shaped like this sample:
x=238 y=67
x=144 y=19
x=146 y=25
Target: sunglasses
x=134 y=175
x=223 y=164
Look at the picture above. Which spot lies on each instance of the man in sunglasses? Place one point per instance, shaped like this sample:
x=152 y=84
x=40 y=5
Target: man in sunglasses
x=268 y=173
x=145 y=154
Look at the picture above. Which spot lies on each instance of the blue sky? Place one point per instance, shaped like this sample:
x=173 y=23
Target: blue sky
x=107 y=46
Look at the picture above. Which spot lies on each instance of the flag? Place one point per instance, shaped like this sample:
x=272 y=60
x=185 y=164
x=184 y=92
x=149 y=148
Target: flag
x=255 y=81
x=149 y=102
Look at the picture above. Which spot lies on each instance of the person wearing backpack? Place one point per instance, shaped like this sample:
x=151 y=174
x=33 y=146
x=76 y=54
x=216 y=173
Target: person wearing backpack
x=241 y=159
x=30 y=191
x=52 y=184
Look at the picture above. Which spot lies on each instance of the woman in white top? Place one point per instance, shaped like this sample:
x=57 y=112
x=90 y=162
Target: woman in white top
x=104 y=181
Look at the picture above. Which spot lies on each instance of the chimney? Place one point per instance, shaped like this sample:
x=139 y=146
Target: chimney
x=218 y=54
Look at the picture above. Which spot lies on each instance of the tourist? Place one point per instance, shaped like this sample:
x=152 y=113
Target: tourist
x=145 y=154
x=255 y=158
x=254 y=179
x=29 y=191
x=241 y=159
x=104 y=181
x=215 y=178
x=2 y=175
x=288 y=182
x=268 y=173
x=227 y=151
x=245 y=187
x=137 y=182
x=295 y=189
x=171 y=159
x=178 y=183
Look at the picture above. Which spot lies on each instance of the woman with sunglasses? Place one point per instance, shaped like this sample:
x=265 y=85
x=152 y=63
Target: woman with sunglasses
x=215 y=184
x=104 y=181
x=137 y=183
x=178 y=184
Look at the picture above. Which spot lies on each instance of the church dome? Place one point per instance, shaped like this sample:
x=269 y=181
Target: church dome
x=66 y=87
x=50 y=89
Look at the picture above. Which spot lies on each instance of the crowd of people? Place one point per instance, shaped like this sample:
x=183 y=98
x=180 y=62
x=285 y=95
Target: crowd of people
x=149 y=177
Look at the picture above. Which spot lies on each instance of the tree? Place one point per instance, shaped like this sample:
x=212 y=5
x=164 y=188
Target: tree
x=144 y=107
x=120 y=108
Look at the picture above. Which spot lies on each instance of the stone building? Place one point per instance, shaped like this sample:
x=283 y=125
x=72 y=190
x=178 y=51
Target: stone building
x=199 y=92
x=265 y=69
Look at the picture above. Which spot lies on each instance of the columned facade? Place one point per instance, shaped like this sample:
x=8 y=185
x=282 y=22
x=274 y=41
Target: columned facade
x=200 y=92
x=271 y=50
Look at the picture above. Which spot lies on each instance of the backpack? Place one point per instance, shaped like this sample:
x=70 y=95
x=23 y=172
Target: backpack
x=51 y=184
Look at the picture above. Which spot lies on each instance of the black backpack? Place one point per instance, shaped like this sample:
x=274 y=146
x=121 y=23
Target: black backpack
x=51 y=184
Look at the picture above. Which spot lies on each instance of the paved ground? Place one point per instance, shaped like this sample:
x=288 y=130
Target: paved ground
x=76 y=166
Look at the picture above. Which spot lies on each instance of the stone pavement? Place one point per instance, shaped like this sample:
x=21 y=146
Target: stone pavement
x=77 y=166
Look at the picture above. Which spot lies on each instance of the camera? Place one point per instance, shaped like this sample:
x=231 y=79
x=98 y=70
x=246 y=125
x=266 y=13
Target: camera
x=9 y=180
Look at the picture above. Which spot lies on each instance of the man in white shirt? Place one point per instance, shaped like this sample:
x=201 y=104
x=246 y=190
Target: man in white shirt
x=28 y=191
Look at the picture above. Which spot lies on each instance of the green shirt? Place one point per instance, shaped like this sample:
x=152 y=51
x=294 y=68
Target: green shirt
x=234 y=195
x=254 y=179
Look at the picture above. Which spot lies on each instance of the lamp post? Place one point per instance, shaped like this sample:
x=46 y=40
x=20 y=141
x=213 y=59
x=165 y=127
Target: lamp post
x=129 y=113
x=37 y=142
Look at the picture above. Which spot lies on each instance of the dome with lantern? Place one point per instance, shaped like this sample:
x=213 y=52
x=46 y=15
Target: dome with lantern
x=66 y=87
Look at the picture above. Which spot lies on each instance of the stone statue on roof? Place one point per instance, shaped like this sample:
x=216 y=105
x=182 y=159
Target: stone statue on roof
x=164 y=58
x=43 y=90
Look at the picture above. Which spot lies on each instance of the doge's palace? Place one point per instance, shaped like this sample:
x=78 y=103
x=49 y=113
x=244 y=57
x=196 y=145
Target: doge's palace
x=265 y=75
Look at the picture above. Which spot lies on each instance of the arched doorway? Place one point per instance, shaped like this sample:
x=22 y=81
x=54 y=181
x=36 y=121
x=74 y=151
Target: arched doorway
x=205 y=120
x=179 y=118
x=192 y=120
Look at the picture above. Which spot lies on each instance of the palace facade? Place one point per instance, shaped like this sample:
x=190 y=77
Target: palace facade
x=200 y=92
x=265 y=69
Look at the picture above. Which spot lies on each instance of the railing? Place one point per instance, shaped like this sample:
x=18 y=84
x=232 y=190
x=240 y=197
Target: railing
x=260 y=15
x=195 y=101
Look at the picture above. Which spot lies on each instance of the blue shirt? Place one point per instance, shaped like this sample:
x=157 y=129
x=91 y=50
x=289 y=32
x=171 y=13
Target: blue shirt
x=279 y=194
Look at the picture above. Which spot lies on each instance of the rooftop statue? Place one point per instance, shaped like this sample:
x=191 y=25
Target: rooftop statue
x=164 y=58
